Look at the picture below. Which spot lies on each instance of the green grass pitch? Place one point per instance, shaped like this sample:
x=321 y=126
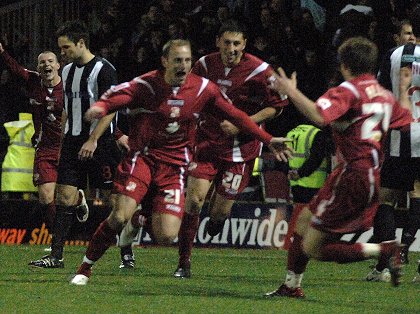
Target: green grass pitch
x=223 y=281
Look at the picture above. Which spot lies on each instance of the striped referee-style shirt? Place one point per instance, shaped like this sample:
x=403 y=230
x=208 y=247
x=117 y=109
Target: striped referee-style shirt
x=83 y=86
x=403 y=144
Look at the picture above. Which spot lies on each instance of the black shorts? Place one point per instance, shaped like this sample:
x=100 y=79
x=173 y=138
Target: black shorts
x=99 y=172
x=400 y=173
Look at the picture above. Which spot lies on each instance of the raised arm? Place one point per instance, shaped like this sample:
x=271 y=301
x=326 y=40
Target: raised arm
x=288 y=86
x=12 y=64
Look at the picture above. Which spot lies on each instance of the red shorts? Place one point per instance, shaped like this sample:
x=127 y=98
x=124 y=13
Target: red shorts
x=347 y=202
x=45 y=166
x=137 y=175
x=230 y=178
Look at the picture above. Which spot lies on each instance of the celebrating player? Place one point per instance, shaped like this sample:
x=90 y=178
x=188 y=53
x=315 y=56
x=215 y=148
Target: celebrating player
x=360 y=111
x=164 y=106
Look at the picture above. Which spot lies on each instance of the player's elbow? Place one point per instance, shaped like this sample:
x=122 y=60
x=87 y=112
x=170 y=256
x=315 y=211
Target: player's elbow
x=319 y=121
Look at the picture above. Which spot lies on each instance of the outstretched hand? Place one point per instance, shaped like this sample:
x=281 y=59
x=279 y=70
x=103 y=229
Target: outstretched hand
x=280 y=83
x=281 y=151
x=87 y=149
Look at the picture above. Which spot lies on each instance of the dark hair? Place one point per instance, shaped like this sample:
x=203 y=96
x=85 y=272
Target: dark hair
x=233 y=26
x=174 y=43
x=74 y=31
x=399 y=26
x=359 y=54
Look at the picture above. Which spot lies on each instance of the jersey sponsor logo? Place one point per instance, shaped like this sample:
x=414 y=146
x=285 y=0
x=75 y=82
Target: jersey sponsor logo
x=221 y=82
x=175 y=102
x=410 y=58
x=172 y=127
x=324 y=103
x=172 y=207
x=131 y=186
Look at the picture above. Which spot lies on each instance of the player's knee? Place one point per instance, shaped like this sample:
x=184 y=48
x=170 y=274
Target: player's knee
x=164 y=237
x=65 y=200
x=117 y=219
x=194 y=204
x=46 y=199
x=311 y=250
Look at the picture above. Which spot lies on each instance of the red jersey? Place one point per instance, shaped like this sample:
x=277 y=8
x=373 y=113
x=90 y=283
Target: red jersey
x=47 y=104
x=163 y=119
x=362 y=112
x=246 y=85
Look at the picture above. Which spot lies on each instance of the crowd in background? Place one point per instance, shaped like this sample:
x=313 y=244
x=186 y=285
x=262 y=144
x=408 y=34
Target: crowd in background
x=298 y=35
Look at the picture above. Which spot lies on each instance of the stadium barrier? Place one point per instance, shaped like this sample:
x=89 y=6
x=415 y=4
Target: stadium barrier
x=252 y=225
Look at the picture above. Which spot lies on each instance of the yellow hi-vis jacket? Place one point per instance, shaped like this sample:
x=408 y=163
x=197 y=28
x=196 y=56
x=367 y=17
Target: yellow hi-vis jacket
x=18 y=164
x=303 y=136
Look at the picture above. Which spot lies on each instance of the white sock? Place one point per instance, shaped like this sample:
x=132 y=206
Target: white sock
x=88 y=261
x=293 y=280
x=371 y=249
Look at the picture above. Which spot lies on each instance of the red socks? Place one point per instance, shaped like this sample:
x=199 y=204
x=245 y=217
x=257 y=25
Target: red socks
x=187 y=231
x=85 y=269
x=103 y=238
x=342 y=252
x=297 y=208
x=296 y=258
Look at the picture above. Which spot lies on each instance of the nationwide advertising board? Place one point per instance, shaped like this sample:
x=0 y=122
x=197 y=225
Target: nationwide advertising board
x=251 y=225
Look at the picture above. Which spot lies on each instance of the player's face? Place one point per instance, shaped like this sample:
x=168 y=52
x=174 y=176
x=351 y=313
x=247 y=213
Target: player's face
x=231 y=46
x=406 y=35
x=177 y=65
x=48 y=66
x=69 y=50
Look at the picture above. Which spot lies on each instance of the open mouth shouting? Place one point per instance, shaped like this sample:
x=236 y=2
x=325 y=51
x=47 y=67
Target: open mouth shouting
x=47 y=73
x=180 y=76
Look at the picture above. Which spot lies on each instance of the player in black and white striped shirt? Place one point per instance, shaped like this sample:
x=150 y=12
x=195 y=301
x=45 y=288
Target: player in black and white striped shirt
x=401 y=167
x=89 y=149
